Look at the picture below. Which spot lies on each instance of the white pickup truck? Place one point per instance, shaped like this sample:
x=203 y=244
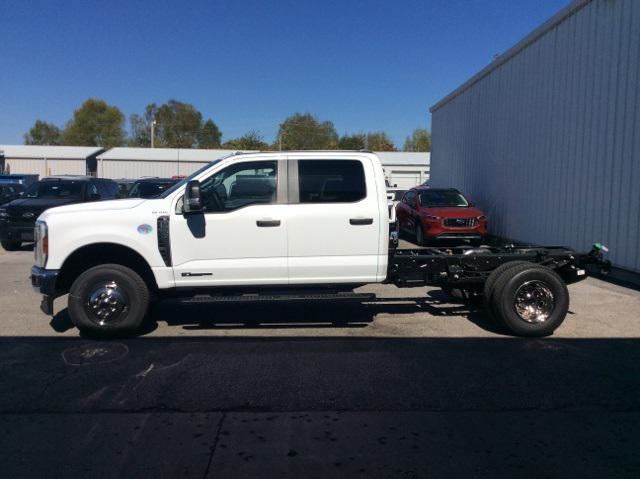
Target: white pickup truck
x=275 y=226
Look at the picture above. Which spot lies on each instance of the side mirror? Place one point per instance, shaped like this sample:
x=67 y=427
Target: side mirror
x=192 y=197
x=470 y=203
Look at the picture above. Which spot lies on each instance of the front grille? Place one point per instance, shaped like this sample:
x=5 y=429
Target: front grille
x=460 y=222
x=164 y=243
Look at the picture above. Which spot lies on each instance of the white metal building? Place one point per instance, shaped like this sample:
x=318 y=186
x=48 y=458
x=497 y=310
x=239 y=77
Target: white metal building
x=405 y=169
x=162 y=162
x=50 y=160
x=401 y=168
x=546 y=138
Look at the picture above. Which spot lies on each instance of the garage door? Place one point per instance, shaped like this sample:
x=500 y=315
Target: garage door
x=405 y=179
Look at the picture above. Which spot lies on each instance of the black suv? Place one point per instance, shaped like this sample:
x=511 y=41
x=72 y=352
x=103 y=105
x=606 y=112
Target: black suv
x=151 y=187
x=9 y=192
x=17 y=218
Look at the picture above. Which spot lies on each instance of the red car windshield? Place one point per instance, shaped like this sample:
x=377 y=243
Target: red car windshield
x=442 y=198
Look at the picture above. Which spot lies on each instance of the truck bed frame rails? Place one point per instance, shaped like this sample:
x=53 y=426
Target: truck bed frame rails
x=470 y=267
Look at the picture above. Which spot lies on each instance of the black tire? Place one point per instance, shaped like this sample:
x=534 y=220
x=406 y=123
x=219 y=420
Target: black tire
x=91 y=292
x=419 y=234
x=546 y=283
x=493 y=277
x=11 y=245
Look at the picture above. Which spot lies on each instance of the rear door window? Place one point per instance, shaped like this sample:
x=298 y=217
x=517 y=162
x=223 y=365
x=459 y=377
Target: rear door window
x=331 y=181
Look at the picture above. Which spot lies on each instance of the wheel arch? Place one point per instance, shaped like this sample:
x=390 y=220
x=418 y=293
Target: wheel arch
x=94 y=254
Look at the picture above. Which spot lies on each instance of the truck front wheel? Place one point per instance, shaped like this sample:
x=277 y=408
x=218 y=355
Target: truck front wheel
x=108 y=300
x=530 y=300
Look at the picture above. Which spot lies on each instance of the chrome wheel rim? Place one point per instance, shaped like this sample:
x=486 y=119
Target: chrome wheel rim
x=107 y=303
x=534 y=302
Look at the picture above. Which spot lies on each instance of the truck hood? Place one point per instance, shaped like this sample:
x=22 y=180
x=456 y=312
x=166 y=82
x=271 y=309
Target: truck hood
x=454 y=212
x=111 y=205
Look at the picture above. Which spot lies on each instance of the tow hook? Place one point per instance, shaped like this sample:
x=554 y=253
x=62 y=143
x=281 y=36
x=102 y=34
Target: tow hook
x=596 y=255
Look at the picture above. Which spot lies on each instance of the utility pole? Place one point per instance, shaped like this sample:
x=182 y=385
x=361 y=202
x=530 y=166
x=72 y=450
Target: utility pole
x=153 y=132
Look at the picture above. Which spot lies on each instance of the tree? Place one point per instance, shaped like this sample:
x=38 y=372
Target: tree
x=43 y=133
x=95 y=123
x=249 y=141
x=379 y=141
x=352 y=142
x=178 y=125
x=305 y=132
x=210 y=135
x=420 y=140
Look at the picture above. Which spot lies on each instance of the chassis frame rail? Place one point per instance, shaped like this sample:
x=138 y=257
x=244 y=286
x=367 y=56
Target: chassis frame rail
x=464 y=265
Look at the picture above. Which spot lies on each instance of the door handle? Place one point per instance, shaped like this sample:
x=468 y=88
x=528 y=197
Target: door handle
x=267 y=223
x=361 y=221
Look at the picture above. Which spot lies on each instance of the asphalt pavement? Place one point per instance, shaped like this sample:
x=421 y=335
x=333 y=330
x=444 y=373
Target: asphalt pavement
x=409 y=385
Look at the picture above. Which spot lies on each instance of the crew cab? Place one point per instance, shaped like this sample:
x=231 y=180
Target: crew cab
x=437 y=214
x=270 y=226
x=18 y=217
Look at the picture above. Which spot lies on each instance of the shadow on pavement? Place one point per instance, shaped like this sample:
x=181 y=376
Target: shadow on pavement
x=284 y=315
x=320 y=407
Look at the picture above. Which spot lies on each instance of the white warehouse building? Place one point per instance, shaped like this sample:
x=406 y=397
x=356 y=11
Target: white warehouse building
x=404 y=169
x=161 y=162
x=48 y=160
x=546 y=139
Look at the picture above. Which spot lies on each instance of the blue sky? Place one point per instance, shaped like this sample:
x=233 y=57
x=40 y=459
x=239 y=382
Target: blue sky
x=365 y=65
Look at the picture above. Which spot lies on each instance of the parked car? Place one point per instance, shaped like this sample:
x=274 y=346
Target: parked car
x=436 y=214
x=17 y=218
x=265 y=226
x=9 y=192
x=151 y=187
x=19 y=179
x=124 y=186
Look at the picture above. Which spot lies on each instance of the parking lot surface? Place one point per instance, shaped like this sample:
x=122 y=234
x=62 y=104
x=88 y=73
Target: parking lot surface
x=409 y=385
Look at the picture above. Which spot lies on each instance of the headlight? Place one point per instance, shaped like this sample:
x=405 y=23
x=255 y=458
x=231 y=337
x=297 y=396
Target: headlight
x=41 y=247
x=432 y=218
x=3 y=213
x=482 y=218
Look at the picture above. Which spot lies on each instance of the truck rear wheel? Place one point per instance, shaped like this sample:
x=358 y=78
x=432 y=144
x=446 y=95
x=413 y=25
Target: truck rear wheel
x=11 y=245
x=108 y=300
x=490 y=283
x=530 y=300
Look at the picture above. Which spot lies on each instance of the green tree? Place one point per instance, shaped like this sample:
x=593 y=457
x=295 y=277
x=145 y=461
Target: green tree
x=379 y=141
x=306 y=132
x=178 y=125
x=420 y=140
x=43 y=133
x=209 y=135
x=249 y=141
x=95 y=123
x=141 y=127
x=352 y=142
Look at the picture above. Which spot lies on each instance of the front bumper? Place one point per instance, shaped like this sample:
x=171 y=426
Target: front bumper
x=16 y=233
x=44 y=282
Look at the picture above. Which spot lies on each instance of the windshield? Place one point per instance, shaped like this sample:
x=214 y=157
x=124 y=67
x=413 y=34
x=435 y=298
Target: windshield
x=55 y=189
x=442 y=198
x=189 y=178
x=150 y=189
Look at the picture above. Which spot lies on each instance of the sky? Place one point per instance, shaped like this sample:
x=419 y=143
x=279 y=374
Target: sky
x=248 y=64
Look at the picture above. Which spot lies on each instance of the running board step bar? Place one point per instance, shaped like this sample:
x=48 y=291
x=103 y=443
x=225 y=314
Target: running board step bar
x=257 y=298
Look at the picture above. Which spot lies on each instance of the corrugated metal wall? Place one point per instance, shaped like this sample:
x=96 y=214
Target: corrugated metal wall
x=52 y=166
x=549 y=142
x=136 y=168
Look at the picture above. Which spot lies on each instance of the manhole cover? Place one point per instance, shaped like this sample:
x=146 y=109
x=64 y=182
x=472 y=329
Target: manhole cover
x=94 y=353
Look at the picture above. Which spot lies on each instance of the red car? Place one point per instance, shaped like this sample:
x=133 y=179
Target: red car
x=433 y=214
